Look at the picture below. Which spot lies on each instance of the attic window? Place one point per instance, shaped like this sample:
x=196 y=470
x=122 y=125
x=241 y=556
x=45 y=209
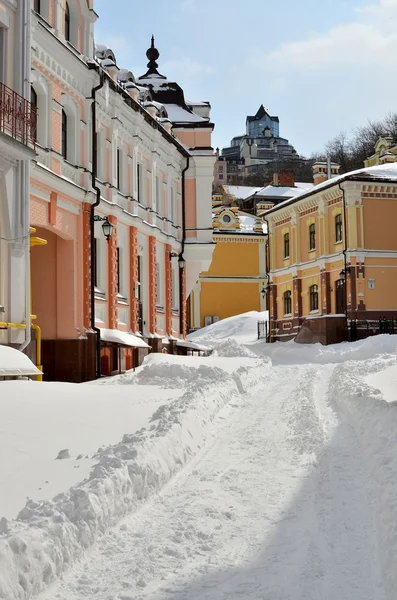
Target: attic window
x=226 y=218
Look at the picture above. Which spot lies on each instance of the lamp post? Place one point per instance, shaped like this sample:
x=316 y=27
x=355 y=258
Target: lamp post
x=107 y=226
x=107 y=229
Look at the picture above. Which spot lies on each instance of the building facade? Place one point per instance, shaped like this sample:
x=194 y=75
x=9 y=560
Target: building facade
x=333 y=256
x=261 y=145
x=17 y=140
x=111 y=158
x=235 y=283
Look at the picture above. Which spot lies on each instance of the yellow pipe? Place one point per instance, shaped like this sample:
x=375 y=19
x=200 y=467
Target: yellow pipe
x=38 y=349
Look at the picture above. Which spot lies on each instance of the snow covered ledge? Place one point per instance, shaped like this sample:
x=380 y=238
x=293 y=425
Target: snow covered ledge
x=198 y=258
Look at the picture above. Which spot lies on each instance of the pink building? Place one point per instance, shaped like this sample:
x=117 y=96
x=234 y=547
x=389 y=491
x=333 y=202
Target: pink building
x=130 y=152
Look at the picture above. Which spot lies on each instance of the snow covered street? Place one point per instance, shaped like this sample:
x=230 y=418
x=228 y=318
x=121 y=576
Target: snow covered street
x=276 y=505
x=262 y=472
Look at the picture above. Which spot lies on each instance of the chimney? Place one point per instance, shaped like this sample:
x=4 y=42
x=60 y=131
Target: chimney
x=275 y=179
x=321 y=170
x=287 y=179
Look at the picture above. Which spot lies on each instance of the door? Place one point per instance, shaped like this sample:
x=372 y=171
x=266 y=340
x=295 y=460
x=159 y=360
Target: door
x=340 y=297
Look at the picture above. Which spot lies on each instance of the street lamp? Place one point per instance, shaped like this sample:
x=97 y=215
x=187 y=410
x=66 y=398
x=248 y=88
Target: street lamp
x=107 y=226
x=263 y=293
x=181 y=262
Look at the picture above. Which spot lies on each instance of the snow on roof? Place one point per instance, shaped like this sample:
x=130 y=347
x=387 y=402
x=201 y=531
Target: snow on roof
x=178 y=114
x=272 y=191
x=115 y=336
x=14 y=363
x=193 y=346
x=387 y=172
x=247 y=223
x=241 y=191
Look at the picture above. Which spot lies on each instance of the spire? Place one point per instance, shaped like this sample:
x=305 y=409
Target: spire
x=152 y=55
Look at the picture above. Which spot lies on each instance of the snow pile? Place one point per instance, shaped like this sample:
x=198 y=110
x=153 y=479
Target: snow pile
x=375 y=422
x=293 y=353
x=242 y=328
x=49 y=536
x=14 y=363
x=231 y=348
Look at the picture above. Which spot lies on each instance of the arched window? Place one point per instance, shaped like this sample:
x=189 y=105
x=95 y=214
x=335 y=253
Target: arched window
x=338 y=228
x=64 y=135
x=67 y=22
x=287 y=303
x=33 y=96
x=314 y=297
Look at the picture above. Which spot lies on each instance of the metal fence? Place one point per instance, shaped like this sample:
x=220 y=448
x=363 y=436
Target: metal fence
x=263 y=330
x=359 y=330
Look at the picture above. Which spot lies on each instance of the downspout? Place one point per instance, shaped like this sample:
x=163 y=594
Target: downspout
x=268 y=274
x=25 y=168
x=181 y=258
x=92 y=213
x=344 y=245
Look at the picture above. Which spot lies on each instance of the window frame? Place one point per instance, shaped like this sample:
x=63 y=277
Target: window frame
x=3 y=54
x=313 y=294
x=312 y=237
x=286 y=245
x=338 y=228
x=64 y=134
x=287 y=297
x=67 y=22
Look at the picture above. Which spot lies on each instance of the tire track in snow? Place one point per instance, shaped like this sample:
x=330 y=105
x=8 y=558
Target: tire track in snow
x=266 y=510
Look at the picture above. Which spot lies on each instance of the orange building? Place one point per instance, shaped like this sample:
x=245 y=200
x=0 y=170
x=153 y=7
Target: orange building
x=333 y=253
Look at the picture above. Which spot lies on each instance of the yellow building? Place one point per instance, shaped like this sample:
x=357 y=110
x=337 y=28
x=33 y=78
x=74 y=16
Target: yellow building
x=385 y=152
x=333 y=251
x=236 y=280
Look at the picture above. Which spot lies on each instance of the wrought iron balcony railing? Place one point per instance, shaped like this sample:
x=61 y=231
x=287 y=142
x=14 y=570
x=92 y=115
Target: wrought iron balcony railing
x=18 y=116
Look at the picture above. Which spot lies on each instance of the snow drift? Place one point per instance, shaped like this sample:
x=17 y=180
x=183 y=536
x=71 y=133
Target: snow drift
x=49 y=536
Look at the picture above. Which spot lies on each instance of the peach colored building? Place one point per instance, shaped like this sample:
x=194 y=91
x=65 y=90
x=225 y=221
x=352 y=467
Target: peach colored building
x=17 y=139
x=130 y=152
x=333 y=256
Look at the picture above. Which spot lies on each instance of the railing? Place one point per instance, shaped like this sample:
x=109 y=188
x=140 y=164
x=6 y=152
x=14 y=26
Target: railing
x=18 y=116
x=263 y=330
x=358 y=330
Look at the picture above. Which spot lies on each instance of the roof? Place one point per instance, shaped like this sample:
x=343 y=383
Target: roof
x=193 y=346
x=262 y=111
x=178 y=114
x=384 y=173
x=115 y=336
x=14 y=363
x=280 y=191
x=240 y=191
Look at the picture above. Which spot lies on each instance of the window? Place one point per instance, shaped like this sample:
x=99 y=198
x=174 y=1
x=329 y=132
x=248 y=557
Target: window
x=139 y=291
x=338 y=228
x=64 y=135
x=172 y=212
x=118 y=168
x=314 y=297
x=220 y=175
x=118 y=270
x=67 y=22
x=37 y=6
x=226 y=218
x=312 y=237
x=96 y=262
x=287 y=303
x=33 y=96
x=158 y=286
x=139 y=181
x=286 y=245
x=175 y=288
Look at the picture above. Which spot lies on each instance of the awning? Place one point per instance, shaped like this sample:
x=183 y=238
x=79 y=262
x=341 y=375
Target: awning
x=14 y=363
x=193 y=346
x=115 y=336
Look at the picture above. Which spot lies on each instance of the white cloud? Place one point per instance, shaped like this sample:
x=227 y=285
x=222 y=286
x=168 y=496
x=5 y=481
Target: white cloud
x=368 y=41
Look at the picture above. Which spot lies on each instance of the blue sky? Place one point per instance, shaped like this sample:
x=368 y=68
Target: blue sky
x=322 y=66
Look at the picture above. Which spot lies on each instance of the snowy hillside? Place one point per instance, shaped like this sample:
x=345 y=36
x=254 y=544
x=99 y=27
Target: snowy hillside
x=264 y=471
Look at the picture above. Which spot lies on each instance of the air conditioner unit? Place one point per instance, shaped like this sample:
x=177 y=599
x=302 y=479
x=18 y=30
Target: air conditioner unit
x=215 y=319
x=207 y=321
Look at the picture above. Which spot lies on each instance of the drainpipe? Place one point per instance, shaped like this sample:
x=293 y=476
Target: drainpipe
x=344 y=245
x=92 y=223
x=268 y=274
x=181 y=258
x=24 y=166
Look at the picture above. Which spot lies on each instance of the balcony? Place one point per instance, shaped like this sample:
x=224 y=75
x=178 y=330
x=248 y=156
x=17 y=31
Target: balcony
x=18 y=117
